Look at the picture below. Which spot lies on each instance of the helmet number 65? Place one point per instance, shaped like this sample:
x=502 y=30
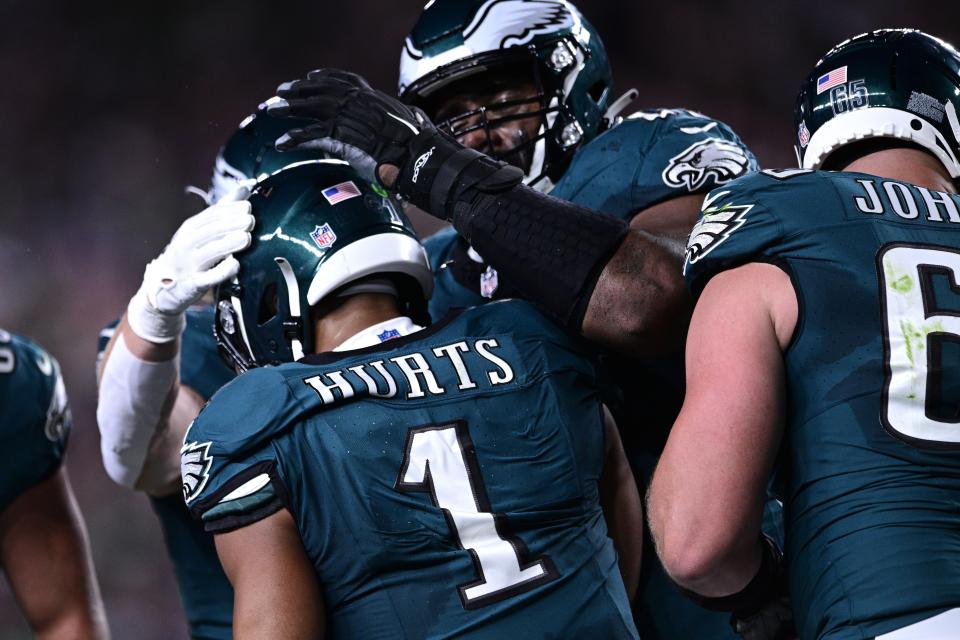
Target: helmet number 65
x=849 y=96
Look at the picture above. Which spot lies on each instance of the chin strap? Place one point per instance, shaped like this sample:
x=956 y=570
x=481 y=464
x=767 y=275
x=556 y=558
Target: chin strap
x=612 y=115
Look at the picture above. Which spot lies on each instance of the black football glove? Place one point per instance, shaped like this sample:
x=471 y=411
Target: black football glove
x=369 y=129
x=355 y=122
x=773 y=622
x=761 y=610
x=766 y=614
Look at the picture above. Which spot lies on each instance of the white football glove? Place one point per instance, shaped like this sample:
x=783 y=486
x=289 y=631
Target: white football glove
x=197 y=258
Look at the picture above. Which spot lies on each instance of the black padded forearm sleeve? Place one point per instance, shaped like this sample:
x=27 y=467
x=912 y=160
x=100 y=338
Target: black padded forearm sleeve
x=550 y=250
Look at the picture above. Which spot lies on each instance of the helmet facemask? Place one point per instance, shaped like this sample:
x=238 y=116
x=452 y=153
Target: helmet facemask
x=515 y=114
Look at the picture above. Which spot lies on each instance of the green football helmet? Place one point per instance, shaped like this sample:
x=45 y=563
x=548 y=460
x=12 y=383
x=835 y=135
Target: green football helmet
x=319 y=227
x=547 y=41
x=899 y=84
x=249 y=154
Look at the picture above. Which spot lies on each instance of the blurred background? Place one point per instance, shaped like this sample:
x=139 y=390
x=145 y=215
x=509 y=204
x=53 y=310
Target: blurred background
x=109 y=109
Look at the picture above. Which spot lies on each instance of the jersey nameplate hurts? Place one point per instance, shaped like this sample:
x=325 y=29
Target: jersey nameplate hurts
x=379 y=378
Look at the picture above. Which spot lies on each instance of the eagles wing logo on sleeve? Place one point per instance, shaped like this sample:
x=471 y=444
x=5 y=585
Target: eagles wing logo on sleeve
x=713 y=158
x=59 y=418
x=195 y=461
x=715 y=226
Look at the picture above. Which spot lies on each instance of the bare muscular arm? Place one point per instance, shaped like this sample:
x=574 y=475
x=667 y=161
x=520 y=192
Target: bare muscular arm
x=46 y=556
x=277 y=596
x=622 y=508
x=640 y=305
x=706 y=497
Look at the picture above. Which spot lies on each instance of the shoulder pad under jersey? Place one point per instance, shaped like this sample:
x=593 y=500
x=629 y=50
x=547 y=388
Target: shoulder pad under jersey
x=652 y=156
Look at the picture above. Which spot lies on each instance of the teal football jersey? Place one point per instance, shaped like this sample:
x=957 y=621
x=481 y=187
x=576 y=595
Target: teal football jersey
x=205 y=591
x=444 y=483
x=34 y=416
x=456 y=276
x=871 y=465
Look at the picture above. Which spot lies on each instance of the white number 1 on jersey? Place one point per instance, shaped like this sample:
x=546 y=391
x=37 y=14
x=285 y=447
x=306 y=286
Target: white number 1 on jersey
x=440 y=460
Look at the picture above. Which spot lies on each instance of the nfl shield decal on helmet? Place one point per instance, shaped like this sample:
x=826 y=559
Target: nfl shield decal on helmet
x=323 y=235
x=803 y=134
x=710 y=159
x=195 y=461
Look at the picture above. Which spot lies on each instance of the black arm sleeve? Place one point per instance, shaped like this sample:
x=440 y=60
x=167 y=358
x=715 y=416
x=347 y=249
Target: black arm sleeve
x=550 y=250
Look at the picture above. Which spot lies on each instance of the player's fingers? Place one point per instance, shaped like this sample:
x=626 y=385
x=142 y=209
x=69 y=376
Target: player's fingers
x=320 y=107
x=213 y=214
x=216 y=249
x=275 y=106
x=290 y=89
x=329 y=82
x=297 y=138
x=222 y=217
x=236 y=194
x=230 y=219
x=339 y=75
x=223 y=271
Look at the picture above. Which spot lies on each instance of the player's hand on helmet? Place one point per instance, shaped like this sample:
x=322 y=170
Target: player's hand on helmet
x=385 y=140
x=198 y=257
x=368 y=128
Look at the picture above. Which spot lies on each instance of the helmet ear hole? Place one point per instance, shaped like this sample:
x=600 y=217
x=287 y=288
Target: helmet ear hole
x=596 y=91
x=269 y=304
